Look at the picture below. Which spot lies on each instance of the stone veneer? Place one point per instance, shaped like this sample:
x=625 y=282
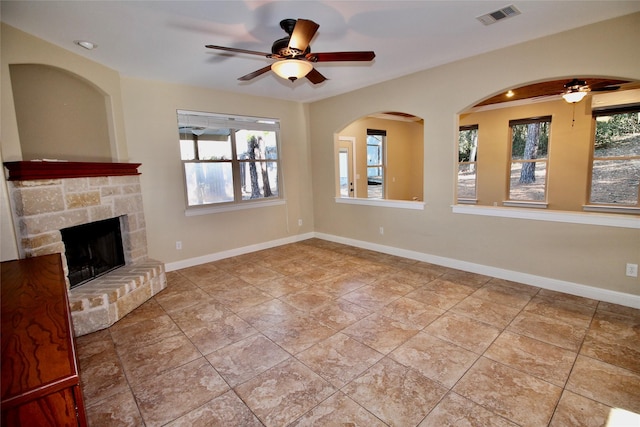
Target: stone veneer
x=42 y=207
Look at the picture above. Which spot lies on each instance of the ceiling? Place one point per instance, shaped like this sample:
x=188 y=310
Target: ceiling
x=165 y=40
x=555 y=88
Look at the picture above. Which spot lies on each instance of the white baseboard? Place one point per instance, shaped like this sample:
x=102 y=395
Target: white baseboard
x=177 y=265
x=614 y=297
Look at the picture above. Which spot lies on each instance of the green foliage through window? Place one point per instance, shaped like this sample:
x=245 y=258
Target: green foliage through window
x=610 y=127
x=615 y=172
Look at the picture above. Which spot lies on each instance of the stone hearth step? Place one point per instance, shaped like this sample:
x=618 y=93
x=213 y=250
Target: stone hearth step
x=100 y=303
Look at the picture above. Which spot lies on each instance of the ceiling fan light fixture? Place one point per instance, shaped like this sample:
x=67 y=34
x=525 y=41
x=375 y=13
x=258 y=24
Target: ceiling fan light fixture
x=574 y=96
x=292 y=69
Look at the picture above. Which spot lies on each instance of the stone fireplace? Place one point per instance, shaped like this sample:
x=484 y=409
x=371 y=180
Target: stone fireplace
x=47 y=197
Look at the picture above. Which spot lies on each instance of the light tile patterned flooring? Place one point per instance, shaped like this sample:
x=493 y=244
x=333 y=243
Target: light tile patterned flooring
x=317 y=333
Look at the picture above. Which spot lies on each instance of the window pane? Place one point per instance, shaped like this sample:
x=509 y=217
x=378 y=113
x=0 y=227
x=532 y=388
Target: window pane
x=373 y=155
x=208 y=182
x=374 y=149
x=254 y=144
x=214 y=149
x=466 y=180
x=258 y=179
x=467 y=145
x=374 y=191
x=187 y=151
x=374 y=183
x=618 y=135
x=374 y=174
x=615 y=181
x=522 y=188
x=530 y=141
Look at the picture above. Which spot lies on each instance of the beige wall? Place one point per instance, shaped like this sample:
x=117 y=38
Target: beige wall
x=59 y=115
x=404 y=153
x=18 y=47
x=591 y=255
x=152 y=136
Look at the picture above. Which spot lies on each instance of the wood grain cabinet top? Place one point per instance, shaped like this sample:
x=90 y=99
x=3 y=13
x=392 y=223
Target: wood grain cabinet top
x=38 y=354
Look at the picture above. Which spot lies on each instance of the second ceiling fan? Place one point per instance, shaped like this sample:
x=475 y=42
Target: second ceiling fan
x=293 y=55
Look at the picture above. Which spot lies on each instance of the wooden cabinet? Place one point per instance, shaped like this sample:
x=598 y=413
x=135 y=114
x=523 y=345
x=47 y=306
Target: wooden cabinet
x=40 y=382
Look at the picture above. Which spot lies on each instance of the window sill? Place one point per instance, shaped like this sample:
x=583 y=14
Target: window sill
x=206 y=210
x=611 y=209
x=400 y=204
x=518 y=204
x=622 y=221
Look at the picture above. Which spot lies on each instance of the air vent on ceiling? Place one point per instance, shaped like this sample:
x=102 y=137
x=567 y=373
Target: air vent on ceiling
x=498 y=15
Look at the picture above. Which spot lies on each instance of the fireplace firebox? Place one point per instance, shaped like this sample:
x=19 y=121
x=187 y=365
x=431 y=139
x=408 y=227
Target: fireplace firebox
x=92 y=250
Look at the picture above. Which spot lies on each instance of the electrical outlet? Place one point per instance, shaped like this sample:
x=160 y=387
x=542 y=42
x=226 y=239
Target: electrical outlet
x=179 y=245
x=381 y=230
x=632 y=270
x=300 y=222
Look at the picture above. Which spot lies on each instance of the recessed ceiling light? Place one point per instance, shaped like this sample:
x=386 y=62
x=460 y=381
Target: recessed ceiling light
x=510 y=94
x=85 y=44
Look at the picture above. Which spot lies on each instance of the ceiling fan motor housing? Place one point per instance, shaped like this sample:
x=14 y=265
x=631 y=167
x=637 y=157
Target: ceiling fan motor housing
x=281 y=49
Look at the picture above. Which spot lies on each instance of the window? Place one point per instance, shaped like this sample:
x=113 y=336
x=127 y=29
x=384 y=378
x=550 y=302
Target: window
x=615 y=171
x=228 y=159
x=529 y=156
x=375 y=163
x=467 y=155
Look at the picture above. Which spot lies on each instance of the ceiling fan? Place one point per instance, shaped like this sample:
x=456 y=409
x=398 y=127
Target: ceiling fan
x=577 y=89
x=293 y=53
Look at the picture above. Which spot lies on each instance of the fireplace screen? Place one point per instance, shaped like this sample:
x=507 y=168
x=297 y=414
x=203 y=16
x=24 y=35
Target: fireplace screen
x=93 y=249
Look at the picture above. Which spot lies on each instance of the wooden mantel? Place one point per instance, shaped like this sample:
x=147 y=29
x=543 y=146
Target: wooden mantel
x=32 y=170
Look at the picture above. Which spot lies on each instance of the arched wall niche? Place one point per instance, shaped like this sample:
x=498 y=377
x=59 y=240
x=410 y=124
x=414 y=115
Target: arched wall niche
x=568 y=180
x=401 y=157
x=60 y=115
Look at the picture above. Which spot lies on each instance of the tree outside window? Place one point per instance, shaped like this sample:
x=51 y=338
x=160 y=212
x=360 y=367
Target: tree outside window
x=529 y=157
x=467 y=156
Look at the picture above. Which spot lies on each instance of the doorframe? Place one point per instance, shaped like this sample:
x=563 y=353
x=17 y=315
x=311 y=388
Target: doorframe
x=350 y=143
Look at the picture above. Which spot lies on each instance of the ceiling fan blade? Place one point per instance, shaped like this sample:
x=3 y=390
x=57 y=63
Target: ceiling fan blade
x=237 y=50
x=315 y=77
x=302 y=34
x=255 y=74
x=341 y=56
x=605 y=88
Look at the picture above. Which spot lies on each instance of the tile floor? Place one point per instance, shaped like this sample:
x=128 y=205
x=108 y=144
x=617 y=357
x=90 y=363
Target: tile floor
x=317 y=333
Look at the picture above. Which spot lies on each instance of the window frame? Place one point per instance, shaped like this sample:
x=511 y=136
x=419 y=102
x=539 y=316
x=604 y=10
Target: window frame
x=530 y=203
x=234 y=123
x=601 y=206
